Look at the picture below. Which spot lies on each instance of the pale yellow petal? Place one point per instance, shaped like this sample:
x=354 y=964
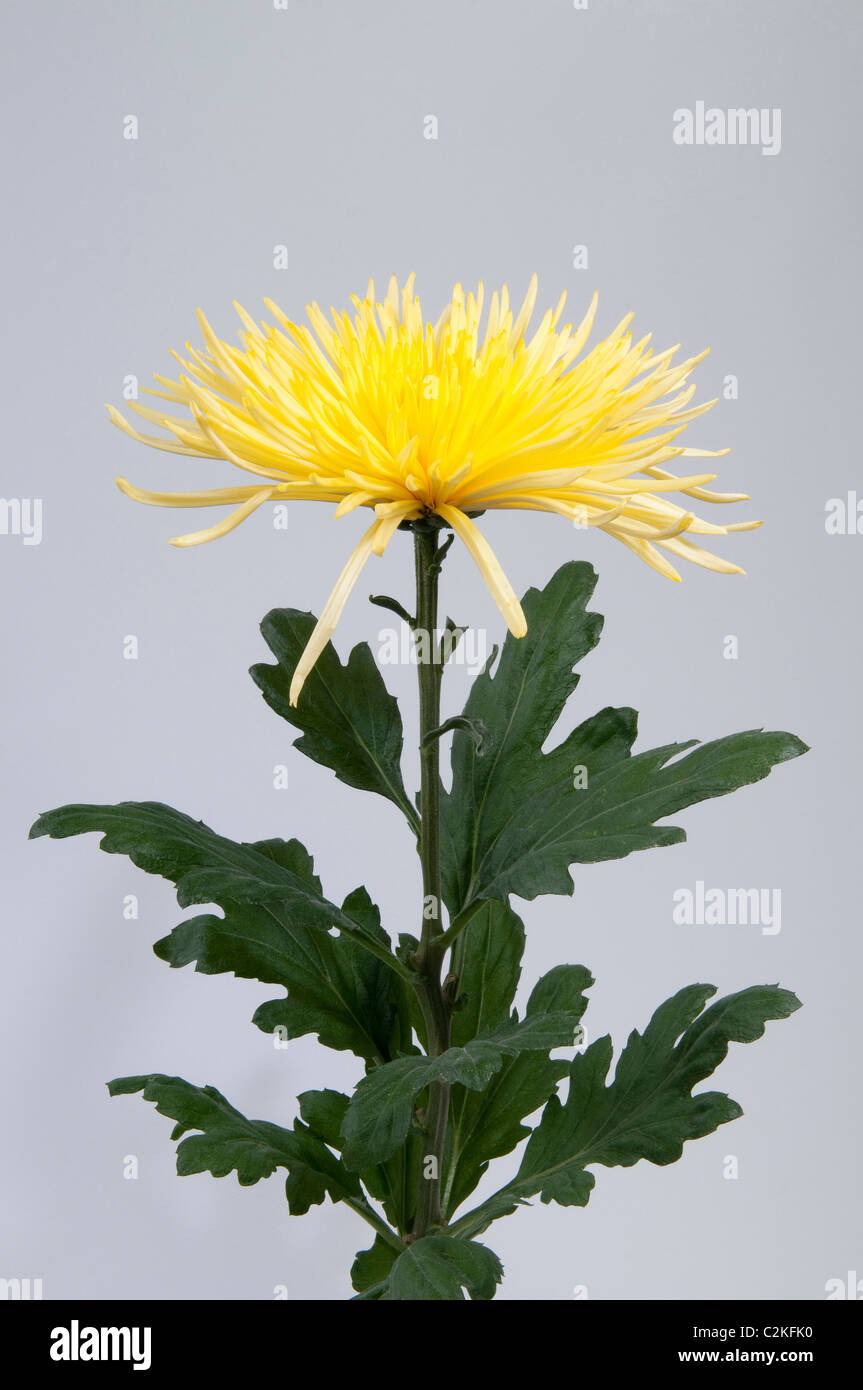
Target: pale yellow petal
x=499 y=586
x=222 y=528
x=381 y=408
x=212 y=497
x=332 y=610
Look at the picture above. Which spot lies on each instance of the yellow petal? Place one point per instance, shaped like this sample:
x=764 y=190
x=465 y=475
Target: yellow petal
x=381 y=408
x=499 y=586
x=213 y=497
x=332 y=611
x=222 y=528
x=155 y=441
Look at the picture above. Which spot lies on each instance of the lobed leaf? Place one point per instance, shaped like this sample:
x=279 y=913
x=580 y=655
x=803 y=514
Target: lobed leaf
x=349 y=988
x=253 y=1149
x=349 y=721
x=648 y=1111
x=516 y=819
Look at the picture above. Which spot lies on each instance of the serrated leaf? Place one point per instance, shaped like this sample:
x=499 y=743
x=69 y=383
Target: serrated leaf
x=488 y=1124
x=515 y=820
x=648 y=1111
x=275 y=928
x=438 y=1268
x=253 y=1149
x=379 y=1115
x=349 y=721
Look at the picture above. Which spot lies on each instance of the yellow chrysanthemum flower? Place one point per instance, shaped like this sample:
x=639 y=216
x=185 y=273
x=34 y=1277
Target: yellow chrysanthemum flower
x=412 y=418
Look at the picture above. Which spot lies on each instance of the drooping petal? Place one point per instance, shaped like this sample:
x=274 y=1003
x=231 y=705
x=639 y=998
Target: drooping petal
x=332 y=611
x=489 y=567
x=212 y=533
x=213 y=497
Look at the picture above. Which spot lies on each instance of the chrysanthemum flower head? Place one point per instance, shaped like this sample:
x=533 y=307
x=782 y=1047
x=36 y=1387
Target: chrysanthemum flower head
x=449 y=419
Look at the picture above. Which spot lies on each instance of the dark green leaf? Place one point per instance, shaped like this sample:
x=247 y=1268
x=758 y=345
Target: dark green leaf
x=393 y=1183
x=372 y=1267
x=253 y=1149
x=437 y=1268
x=515 y=820
x=335 y=989
x=323 y=1112
x=648 y=1111
x=379 y=1115
x=487 y=1124
x=275 y=928
x=489 y=953
x=349 y=721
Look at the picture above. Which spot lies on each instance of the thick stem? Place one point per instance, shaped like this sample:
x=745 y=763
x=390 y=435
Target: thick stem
x=429 y=956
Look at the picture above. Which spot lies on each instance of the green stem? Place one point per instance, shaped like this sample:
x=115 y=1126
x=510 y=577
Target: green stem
x=429 y=956
x=452 y=935
x=368 y=1213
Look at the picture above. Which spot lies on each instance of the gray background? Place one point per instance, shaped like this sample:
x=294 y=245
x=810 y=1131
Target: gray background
x=260 y=127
